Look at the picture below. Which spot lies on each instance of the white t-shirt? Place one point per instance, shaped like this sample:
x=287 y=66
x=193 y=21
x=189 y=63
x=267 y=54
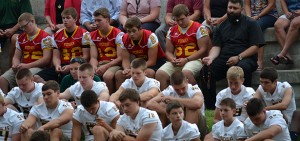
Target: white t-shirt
x=144 y=116
x=245 y=95
x=231 y=133
x=76 y=90
x=277 y=96
x=191 y=91
x=148 y=84
x=44 y=115
x=186 y=132
x=25 y=100
x=107 y=111
x=10 y=124
x=273 y=117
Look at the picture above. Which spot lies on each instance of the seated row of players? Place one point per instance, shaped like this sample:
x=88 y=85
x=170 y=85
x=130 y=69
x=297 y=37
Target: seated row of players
x=179 y=90
x=107 y=49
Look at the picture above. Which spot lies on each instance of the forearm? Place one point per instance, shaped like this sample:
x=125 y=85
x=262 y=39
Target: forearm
x=189 y=103
x=278 y=106
x=214 y=52
x=15 y=61
x=48 y=19
x=39 y=63
x=195 y=16
x=94 y=62
x=126 y=64
x=147 y=96
x=266 y=11
x=122 y=19
x=170 y=56
x=262 y=135
x=55 y=123
x=249 y=52
x=151 y=17
x=248 y=8
x=115 y=62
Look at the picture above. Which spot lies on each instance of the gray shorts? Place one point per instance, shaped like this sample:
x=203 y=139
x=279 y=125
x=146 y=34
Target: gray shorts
x=10 y=76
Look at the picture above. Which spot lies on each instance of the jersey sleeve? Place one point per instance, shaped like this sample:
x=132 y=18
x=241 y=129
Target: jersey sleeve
x=18 y=44
x=150 y=117
x=218 y=99
x=201 y=32
x=17 y=121
x=64 y=106
x=86 y=39
x=193 y=90
x=77 y=114
x=193 y=131
x=126 y=84
x=73 y=88
x=119 y=41
x=121 y=120
x=112 y=110
x=152 y=41
x=240 y=132
x=34 y=111
x=154 y=84
x=11 y=95
x=215 y=131
x=276 y=118
x=167 y=91
x=168 y=34
x=48 y=43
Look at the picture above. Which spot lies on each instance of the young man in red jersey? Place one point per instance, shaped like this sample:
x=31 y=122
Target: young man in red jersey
x=34 y=49
x=72 y=41
x=139 y=43
x=105 y=55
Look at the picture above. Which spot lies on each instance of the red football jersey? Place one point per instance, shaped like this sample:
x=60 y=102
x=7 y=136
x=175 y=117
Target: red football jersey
x=186 y=43
x=106 y=45
x=32 y=49
x=140 y=50
x=71 y=47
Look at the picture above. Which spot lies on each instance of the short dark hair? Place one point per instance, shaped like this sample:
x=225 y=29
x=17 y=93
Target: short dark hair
x=88 y=98
x=70 y=11
x=139 y=62
x=180 y=9
x=228 y=102
x=130 y=94
x=79 y=60
x=102 y=12
x=133 y=22
x=51 y=84
x=177 y=78
x=237 y=1
x=269 y=73
x=24 y=72
x=87 y=66
x=254 y=107
x=174 y=104
x=40 y=136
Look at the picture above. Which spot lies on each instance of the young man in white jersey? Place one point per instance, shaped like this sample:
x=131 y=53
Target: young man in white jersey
x=179 y=129
x=235 y=90
x=54 y=115
x=277 y=95
x=262 y=124
x=96 y=118
x=137 y=123
x=146 y=87
x=86 y=82
x=27 y=94
x=188 y=95
x=10 y=122
x=230 y=127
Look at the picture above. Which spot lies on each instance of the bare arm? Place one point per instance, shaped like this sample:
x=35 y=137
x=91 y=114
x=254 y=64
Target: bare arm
x=217 y=116
x=145 y=96
x=86 y=53
x=266 y=10
x=104 y=95
x=152 y=56
x=257 y=94
x=56 y=58
x=248 y=7
x=144 y=134
x=283 y=105
x=44 y=61
x=169 y=20
x=206 y=10
x=76 y=130
x=123 y=16
x=269 y=133
x=170 y=50
x=64 y=118
x=249 y=52
x=203 y=44
x=115 y=96
x=195 y=16
x=66 y=94
x=17 y=58
x=154 y=14
x=192 y=103
x=125 y=59
x=284 y=7
x=28 y=123
x=16 y=137
x=155 y=104
x=94 y=57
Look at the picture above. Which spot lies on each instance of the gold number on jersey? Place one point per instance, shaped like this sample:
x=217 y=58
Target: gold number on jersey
x=68 y=55
x=108 y=52
x=35 y=55
x=187 y=52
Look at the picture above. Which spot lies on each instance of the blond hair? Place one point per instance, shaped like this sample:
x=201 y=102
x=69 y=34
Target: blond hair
x=26 y=17
x=235 y=72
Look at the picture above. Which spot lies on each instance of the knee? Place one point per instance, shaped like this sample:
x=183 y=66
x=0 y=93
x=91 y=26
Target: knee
x=56 y=132
x=161 y=75
x=118 y=74
x=37 y=78
x=187 y=73
x=98 y=130
x=150 y=73
x=108 y=76
x=295 y=24
x=280 y=24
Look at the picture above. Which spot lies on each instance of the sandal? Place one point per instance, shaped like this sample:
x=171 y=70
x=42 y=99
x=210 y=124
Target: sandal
x=286 y=60
x=275 y=60
x=260 y=68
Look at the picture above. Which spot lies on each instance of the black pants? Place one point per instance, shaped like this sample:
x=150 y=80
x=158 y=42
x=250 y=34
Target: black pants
x=218 y=70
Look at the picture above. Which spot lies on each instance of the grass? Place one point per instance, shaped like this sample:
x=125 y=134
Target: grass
x=209 y=114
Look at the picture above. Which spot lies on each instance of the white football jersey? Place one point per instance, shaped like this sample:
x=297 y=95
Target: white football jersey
x=231 y=133
x=44 y=115
x=10 y=124
x=76 y=90
x=25 y=100
x=240 y=99
x=186 y=132
x=191 y=91
x=147 y=85
x=273 y=117
x=277 y=96
x=107 y=111
x=144 y=116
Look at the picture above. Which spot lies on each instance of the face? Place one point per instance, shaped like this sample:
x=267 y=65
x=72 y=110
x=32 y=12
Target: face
x=134 y=33
x=235 y=85
x=25 y=84
x=267 y=85
x=176 y=115
x=74 y=70
x=93 y=109
x=182 y=21
x=181 y=89
x=138 y=75
x=234 y=11
x=258 y=119
x=26 y=26
x=226 y=112
x=84 y=78
x=130 y=108
x=68 y=21
x=102 y=23
x=50 y=97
